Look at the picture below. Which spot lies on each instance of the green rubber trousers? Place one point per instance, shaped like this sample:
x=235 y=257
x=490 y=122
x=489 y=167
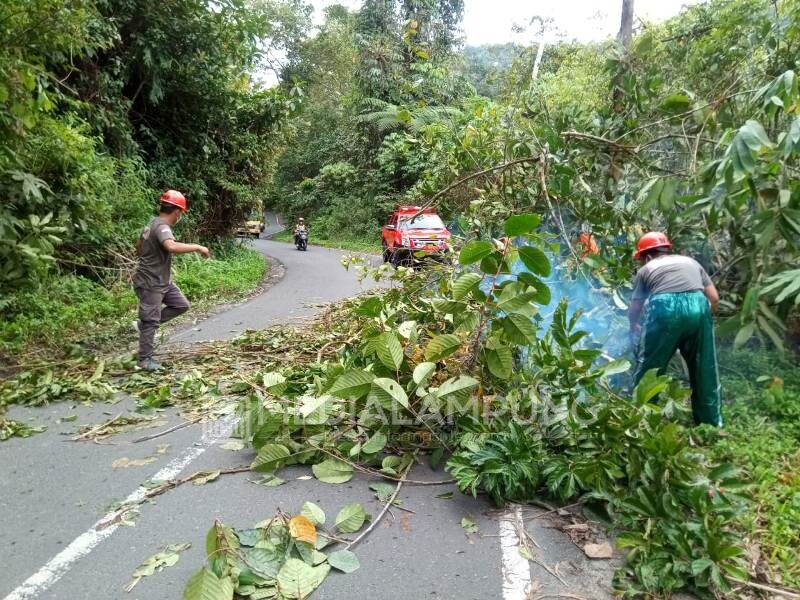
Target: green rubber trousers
x=682 y=321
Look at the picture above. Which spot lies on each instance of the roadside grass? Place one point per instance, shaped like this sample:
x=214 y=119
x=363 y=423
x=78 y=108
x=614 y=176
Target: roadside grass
x=762 y=437
x=66 y=314
x=355 y=245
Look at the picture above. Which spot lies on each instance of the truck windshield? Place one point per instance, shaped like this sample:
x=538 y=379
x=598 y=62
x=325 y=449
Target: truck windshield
x=423 y=221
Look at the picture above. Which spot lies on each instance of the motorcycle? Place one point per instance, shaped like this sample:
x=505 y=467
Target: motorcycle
x=301 y=240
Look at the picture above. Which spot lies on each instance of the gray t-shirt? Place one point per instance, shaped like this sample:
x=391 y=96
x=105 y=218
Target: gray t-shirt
x=669 y=273
x=155 y=264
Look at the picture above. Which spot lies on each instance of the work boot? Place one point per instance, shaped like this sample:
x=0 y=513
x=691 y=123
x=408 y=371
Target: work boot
x=149 y=365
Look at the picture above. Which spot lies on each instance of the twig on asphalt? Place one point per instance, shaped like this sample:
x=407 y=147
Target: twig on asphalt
x=377 y=519
x=167 y=431
x=85 y=435
x=165 y=487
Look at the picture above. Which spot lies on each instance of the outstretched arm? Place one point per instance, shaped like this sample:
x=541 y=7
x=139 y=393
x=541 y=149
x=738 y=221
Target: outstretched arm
x=174 y=247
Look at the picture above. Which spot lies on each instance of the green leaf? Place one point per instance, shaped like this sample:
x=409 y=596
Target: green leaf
x=269 y=458
x=519 y=329
x=313 y=513
x=265 y=562
x=332 y=470
x=676 y=103
x=442 y=346
x=375 y=443
x=465 y=284
x=475 y=251
x=386 y=392
x=521 y=224
x=745 y=333
x=422 y=372
x=457 y=389
x=383 y=491
x=316 y=410
x=543 y=295
x=469 y=525
x=352 y=384
x=351 y=518
x=297 y=580
x=500 y=361
x=205 y=585
x=371 y=307
x=344 y=560
x=615 y=367
x=701 y=564
x=535 y=260
x=389 y=350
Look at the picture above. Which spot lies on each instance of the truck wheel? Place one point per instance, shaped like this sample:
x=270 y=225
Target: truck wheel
x=399 y=259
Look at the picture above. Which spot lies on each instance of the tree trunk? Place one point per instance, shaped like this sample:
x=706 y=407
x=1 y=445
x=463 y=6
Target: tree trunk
x=624 y=38
x=626 y=24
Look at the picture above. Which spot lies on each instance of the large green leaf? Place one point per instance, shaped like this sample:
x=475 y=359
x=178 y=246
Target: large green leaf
x=375 y=443
x=543 y=295
x=343 y=560
x=386 y=392
x=333 y=471
x=351 y=518
x=519 y=329
x=500 y=361
x=270 y=457
x=465 y=284
x=455 y=394
x=352 y=384
x=535 y=260
x=315 y=410
x=205 y=585
x=389 y=350
x=313 y=513
x=265 y=562
x=442 y=346
x=475 y=251
x=521 y=224
x=297 y=580
x=422 y=372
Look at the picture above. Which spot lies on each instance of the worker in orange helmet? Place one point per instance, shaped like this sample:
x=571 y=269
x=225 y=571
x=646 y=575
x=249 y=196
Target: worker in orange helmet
x=673 y=298
x=152 y=280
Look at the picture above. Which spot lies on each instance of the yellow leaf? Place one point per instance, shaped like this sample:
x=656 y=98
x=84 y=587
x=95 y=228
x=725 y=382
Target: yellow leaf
x=300 y=528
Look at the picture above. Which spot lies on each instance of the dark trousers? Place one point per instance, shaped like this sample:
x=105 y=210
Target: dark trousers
x=151 y=314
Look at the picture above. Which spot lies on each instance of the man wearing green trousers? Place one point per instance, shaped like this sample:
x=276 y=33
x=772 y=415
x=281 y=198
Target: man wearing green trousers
x=673 y=298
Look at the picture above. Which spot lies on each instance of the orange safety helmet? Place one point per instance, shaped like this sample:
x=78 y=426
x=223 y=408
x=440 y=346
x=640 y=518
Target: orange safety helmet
x=651 y=240
x=175 y=198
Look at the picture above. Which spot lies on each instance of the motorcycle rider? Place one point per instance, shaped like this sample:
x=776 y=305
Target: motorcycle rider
x=300 y=226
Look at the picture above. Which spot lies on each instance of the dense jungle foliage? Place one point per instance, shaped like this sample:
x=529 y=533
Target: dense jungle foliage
x=106 y=103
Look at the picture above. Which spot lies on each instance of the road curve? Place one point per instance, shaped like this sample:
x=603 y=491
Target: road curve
x=309 y=278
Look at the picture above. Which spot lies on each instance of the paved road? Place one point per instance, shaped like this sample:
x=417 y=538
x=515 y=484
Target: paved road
x=53 y=494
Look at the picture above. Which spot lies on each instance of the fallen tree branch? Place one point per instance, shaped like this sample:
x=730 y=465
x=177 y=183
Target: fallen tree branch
x=432 y=200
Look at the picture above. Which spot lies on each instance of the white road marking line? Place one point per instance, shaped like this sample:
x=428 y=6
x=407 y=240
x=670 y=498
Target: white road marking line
x=58 y=566
x=516 y=571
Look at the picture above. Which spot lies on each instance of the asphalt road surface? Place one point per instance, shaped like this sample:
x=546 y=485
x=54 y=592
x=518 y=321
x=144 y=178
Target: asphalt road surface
x=56 y=497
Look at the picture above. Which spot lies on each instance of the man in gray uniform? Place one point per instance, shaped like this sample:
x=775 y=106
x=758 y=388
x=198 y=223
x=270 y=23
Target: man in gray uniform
x=670 y=310
x=152 y=280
